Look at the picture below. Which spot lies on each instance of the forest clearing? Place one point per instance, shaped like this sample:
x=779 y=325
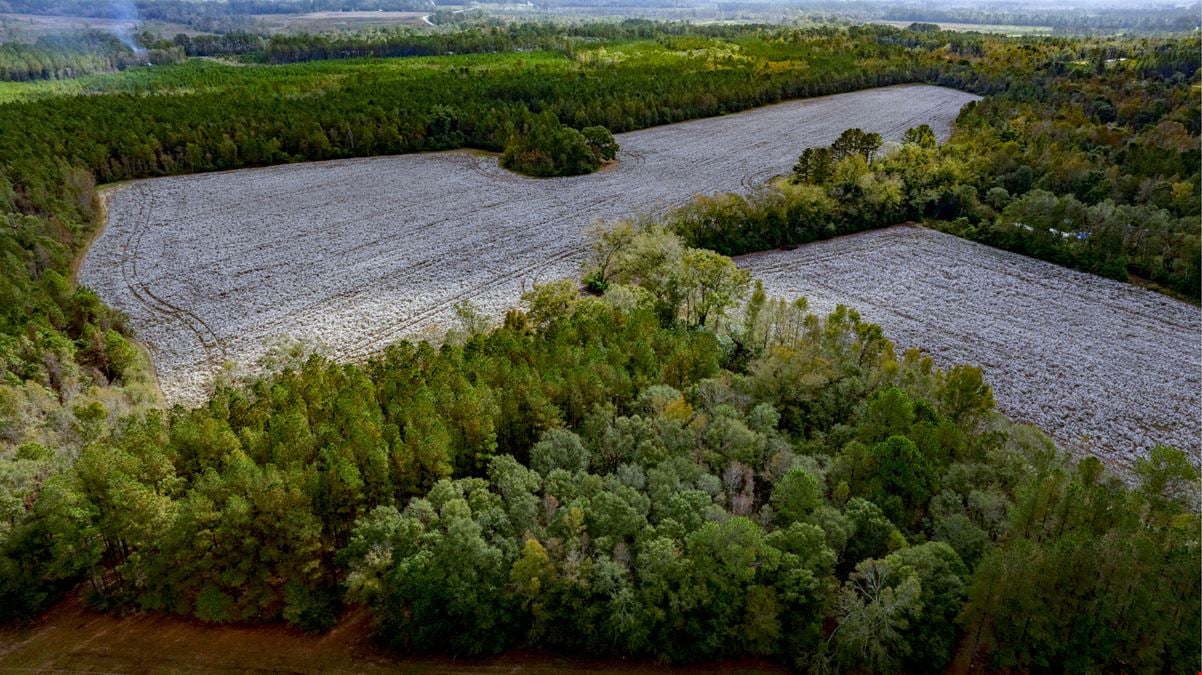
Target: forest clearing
x=1107 y=368
x=352 y=255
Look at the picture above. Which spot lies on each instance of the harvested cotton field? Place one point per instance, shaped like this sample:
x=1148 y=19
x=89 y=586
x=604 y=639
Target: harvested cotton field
x=1105 y=367
x=355 y=254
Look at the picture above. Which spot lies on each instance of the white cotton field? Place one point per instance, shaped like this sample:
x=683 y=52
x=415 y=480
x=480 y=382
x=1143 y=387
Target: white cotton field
x=1105 y=367
x=354 y=254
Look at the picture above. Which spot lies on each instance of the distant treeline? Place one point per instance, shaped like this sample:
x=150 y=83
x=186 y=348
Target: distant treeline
x=226 y=15
x=475 y=36
x=60 y=348
x=484 y=37
x=640 y=474
x=472 y=36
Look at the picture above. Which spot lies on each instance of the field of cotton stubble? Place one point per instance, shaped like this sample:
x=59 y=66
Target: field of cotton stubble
x=354 y=254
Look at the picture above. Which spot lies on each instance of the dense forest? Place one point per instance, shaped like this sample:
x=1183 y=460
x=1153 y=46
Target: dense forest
x=644 y=473
x=470 y=36
x=678 y=468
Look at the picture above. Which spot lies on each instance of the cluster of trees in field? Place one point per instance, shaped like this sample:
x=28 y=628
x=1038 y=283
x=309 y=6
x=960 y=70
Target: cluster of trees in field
x=817 y=165
x=547 y=148
x=1110 y=186
x=646 y=473
x=472 y=35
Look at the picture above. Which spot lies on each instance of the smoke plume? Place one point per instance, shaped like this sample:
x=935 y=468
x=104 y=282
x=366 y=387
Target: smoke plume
x=126 y=12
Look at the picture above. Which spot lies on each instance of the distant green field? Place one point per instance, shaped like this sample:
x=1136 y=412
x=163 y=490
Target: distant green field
x=202 y=75
x=997 y=29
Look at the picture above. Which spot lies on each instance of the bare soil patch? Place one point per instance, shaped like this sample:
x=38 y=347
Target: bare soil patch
x=356 y=254
x=72 y=638
x=1105 y=367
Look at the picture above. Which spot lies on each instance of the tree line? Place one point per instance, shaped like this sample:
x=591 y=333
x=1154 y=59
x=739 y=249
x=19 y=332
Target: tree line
x=681 y=468
x=215 y=14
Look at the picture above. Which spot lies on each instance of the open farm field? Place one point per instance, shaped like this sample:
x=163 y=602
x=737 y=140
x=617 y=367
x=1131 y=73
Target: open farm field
x=1105 y=367
x=355 y=254
x=999 y=29
x=318 y=22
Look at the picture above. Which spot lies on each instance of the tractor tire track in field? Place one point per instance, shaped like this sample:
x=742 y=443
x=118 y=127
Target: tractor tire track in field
x=206 y=338
x=353 y=254
x=378 y=341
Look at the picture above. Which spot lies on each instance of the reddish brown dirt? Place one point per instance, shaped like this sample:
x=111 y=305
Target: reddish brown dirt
x=72 y=638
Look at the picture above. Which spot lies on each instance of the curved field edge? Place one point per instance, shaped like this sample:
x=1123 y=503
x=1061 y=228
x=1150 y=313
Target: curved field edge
x=1106 y=368
x=351 y=255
